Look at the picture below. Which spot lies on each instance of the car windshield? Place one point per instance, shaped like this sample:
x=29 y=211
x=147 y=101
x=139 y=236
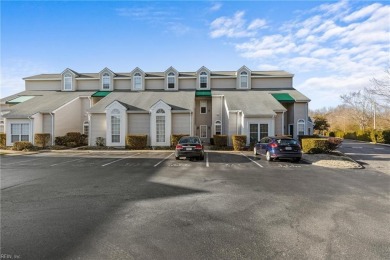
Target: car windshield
x=189 y=140
x=286 y=141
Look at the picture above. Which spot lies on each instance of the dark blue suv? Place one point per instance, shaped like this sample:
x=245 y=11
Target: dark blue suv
x=279 y=147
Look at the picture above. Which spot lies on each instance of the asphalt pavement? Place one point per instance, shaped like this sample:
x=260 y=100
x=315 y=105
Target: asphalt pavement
x=147 y=205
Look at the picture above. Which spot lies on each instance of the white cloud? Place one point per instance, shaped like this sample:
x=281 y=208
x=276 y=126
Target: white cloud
x=215 y=7
x=235 y=27
x=364 y=12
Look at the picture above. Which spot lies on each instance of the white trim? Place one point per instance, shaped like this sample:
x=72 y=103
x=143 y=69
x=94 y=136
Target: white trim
x=200 y=131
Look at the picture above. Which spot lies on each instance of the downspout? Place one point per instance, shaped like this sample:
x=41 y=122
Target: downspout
x=52 y=128
x=31 y=129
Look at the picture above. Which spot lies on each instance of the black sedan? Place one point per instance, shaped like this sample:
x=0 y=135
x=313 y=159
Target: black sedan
x=189 y=147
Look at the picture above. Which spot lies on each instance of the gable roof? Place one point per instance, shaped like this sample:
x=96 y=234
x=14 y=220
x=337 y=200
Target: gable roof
x=42 y=102
x=143 y=101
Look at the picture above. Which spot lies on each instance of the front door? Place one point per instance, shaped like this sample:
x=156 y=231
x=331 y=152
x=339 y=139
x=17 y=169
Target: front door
x=291 y=130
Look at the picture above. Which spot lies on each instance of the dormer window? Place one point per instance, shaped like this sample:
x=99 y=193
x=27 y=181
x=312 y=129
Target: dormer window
x=106 y=80
x=244 y=79
x=171 y=80
x=67 y=81
x=203 y=80
x=137 y=81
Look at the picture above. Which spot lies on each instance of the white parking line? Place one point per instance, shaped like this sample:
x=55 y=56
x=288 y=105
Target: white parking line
x=67 y=161
x=379 y=148
x=258 y=164
x=120 y=159
x=357 y=147
x=163 y=160
x=207 y=160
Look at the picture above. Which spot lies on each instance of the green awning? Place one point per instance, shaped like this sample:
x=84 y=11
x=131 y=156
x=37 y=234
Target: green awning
x=203 y=93
x=100 y=93
x=283 y=97
x=18 y=100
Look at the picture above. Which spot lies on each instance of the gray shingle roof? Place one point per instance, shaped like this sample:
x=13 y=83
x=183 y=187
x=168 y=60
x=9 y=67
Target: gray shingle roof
x=143 y=101
x=43 y=102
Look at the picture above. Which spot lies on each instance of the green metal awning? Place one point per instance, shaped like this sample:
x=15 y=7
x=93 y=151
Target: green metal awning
x=203 y=93
x=283 y=97
x=18 y=100
x=100 y=93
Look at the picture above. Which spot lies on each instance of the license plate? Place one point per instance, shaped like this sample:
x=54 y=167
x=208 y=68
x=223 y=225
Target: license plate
x=188 y=149
x=288 y=148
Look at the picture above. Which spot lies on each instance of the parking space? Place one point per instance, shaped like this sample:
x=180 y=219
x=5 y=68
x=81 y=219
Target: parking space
x=213 y=160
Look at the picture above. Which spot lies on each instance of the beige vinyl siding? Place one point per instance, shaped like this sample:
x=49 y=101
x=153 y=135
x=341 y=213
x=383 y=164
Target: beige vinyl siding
x=46 y=125
x=155 y=84
x=85 y=105
x=233 y=125
x=43 y=84
x=278 y=124
x=223 y=83
x=181 y=123
x=92 y=84
x=122 y=84
x=65 y=118
x=98 y=127
x=138 y=124
x=267 y=83
x=187 y=84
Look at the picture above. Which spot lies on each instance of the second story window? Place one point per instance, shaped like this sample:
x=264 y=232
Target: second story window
x=243 y=79
x=203 y=107
x=137 y=81
x=203 y=80
x=171 y=80
x=106 y=81
x=67 y=82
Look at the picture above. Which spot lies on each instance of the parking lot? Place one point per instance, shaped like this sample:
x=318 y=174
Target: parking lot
x=232 y=205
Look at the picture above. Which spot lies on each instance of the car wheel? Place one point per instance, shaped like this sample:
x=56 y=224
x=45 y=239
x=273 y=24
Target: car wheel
x=201 y=157
x=177 y=157
x=255 y=151
x=296 y=160
x=268 y=156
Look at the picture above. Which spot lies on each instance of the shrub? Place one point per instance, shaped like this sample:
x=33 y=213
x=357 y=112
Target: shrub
x=74 y=137
x=363 y=136
x=3 y=140
x=41 y=139
x=100 y=141
x=136 y=141
x=239 y=142
x=332 y=134
x=315 y=145
x=350 y=135
x=61 y=140
x=334 y=143
x=221 y=140
x=339 y=134
x=386 y=136
x=22 y=145
x=175 y=139
x=300 y=137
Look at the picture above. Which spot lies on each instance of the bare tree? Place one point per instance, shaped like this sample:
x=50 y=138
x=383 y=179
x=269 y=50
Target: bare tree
x=381 y=88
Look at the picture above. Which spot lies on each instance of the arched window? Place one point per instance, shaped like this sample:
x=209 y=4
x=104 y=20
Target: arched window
x=244 y=79
x=160 y=126
x=218 y=127
x=171 y=80
x=137 y=81
x=106 y=81
x=67 y=81
x=301 y=127
x=203 y=80
x=115 y=126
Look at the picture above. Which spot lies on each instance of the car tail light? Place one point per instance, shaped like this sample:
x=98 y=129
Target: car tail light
x=179 y=146
x=198 y=146
x=273 y=145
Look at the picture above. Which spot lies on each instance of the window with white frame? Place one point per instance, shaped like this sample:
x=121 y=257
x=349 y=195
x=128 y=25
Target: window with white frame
x=20 y=132
x=106 y=81
x=115 y=126
x=203 y=80
x=244 y=79
x=218 y=127
x=160 y=126
x=263 y=130
x=203 y=131
x=203 y=107
x=67 y=81
x=86 y=127
x=171 y=80
x=301 y=127
x=253 y=133
x=137 y=81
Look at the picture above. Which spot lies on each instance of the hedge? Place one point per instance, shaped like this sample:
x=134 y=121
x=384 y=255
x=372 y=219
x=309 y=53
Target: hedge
x=315 y=145
x=61 y=140
x=3 y=140
x=41 y=139
x=239 y=142
x=175 y=139
x=22 y=145
x=100 y=141
x=386 y=136
x=221 y=140
x=300 y=137
x=136 y=141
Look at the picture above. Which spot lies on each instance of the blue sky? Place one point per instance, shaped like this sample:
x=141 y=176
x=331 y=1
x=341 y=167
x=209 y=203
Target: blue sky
x=332 y=47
